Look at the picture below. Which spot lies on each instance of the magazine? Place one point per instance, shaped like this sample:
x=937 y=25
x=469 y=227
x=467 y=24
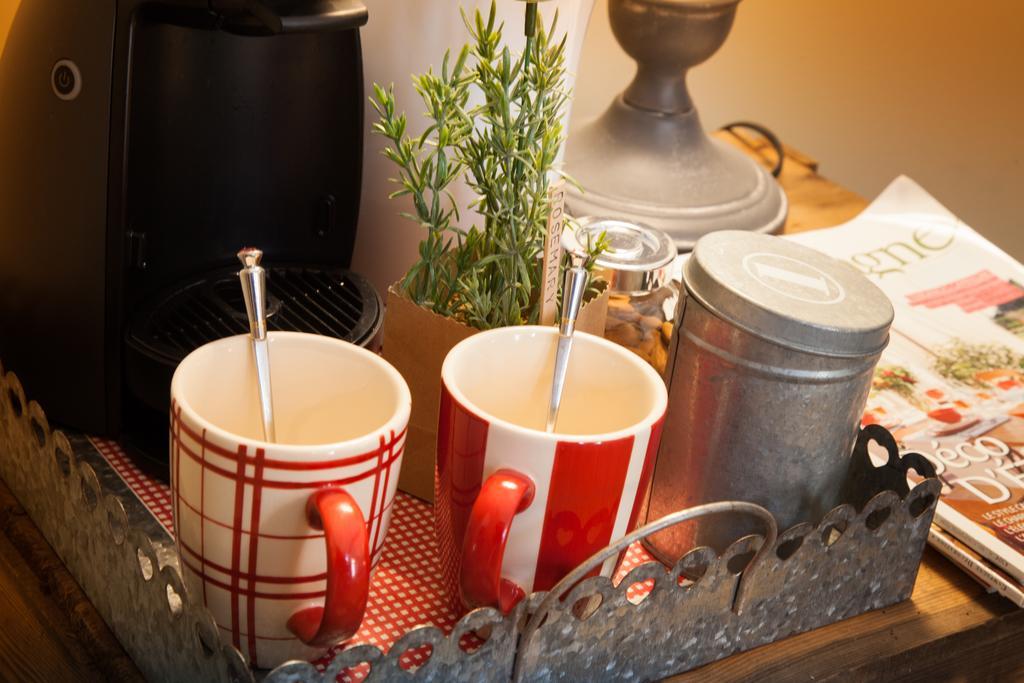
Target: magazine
x=994 y=580
x=950 y=385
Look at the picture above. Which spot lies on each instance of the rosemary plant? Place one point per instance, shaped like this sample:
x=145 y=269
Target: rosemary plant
x=505 y=147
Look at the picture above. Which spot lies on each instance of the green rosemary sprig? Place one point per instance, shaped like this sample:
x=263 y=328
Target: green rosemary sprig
x=594 y=246
x=427 y=167
x=505 y=147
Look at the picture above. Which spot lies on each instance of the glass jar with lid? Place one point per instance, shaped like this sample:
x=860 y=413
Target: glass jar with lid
x=642 y=298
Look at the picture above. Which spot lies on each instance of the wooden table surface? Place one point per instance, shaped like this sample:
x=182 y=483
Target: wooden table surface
x=950 y=629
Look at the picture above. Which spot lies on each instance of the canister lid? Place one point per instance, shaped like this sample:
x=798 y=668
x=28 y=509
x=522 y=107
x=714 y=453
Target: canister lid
x=638 y=257
x=788 y=293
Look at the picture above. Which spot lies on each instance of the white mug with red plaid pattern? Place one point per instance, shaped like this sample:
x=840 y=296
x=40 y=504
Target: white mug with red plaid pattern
x=516 y=507
x=278 y=539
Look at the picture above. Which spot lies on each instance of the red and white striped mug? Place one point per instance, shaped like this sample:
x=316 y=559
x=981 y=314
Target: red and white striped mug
x=278 y=539
x=516 y=507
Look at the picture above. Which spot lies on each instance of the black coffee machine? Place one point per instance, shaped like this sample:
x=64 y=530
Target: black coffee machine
x=142 y=143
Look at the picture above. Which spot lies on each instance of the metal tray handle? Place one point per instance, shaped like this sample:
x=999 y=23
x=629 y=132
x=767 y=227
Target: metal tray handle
x=598 y=558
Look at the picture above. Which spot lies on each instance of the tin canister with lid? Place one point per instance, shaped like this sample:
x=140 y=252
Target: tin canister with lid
x=642 y=299
x=769 y=369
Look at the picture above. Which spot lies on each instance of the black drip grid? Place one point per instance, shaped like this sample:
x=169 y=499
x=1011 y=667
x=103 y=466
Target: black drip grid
x=328 y=301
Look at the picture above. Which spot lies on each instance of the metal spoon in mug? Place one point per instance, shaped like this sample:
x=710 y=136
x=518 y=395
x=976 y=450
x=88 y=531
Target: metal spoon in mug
x=573 y=288
x=254 y=281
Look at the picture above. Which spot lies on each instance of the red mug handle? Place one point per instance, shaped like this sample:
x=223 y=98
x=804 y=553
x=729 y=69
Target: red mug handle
x=503 y=495
x=348 y=570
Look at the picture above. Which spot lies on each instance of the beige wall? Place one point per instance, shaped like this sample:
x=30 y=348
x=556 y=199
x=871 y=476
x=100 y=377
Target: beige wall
x=871 y=89
x=7 y=8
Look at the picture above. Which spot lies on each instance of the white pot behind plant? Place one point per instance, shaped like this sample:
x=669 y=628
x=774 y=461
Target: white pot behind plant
x=402 y=38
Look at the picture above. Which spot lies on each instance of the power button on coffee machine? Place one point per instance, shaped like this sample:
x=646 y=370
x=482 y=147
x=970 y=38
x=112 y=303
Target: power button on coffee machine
x=66 y=79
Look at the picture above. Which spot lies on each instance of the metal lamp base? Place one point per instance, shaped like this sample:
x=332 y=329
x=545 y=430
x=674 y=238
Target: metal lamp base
x=647 y=158
x=664 y=171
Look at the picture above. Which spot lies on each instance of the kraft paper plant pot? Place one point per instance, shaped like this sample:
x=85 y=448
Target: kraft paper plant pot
x=416 y=342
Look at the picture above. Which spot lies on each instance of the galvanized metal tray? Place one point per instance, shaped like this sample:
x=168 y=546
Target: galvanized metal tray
x=706 y=607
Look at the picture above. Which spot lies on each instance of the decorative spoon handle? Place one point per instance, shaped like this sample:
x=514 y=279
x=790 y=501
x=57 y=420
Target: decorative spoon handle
x=254 y=279
x=572 y=298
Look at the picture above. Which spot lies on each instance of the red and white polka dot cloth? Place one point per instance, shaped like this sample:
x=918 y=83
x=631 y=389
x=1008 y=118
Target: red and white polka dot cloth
x=405 y=591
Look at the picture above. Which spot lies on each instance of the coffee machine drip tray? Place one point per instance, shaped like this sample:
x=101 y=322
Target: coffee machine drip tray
x=330 y=301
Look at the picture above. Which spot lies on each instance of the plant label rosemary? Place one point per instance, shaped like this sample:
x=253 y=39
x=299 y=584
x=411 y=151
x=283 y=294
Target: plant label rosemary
x=552 y=253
